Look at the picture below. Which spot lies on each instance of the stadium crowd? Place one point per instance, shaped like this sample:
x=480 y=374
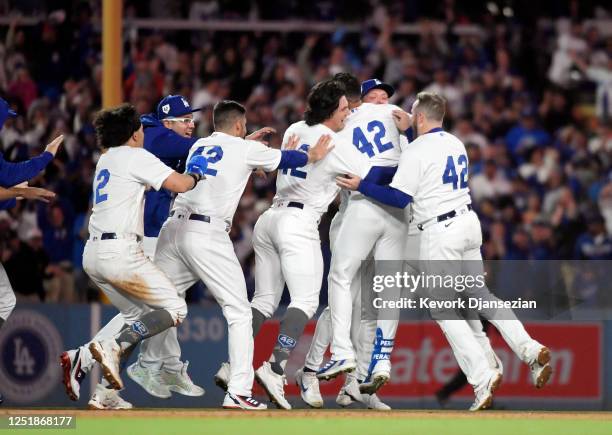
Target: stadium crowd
x=532 y=103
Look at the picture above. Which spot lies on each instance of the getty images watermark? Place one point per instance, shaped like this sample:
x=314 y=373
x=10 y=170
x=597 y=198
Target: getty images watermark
x=498 y=290
x=411 y=282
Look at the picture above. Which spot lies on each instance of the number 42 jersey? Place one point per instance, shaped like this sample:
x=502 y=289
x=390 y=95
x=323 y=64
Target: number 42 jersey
x=434 y=171
x=314 y=185
x=231 y=160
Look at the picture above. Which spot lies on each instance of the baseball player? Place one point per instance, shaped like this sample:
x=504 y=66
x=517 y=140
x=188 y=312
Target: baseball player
x=373 y=362
x=113 y=256
x=286 y=237
x=13 y=185
x=360 y=237
x=432 y=174
x=194 y=242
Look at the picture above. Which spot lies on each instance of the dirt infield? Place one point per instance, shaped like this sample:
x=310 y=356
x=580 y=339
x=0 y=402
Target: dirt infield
x=320 y=414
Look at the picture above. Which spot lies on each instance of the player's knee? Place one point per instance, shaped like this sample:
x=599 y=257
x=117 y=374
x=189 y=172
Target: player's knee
x=178 y=311
x=308 y=307
x=265 y=307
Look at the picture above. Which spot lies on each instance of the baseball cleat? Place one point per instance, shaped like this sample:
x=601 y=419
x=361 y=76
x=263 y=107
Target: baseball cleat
x=148 y=379
x=274 y=384
x=72 y=372
x=484 y=397
x=107 y=353
x=334 y=368
x=349 y=392
x=541 y=369
x=309 y=388
x=234 y=401
x=180 y=382
x=372 y=401
x=375 y=382
x=222 y=376
x=107 y=399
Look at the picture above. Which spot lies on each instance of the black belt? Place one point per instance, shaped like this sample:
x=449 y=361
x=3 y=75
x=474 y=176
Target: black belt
x=296 y=205
x=443 y=217
x=451 y=214
x=195 y=217
x=113 y=236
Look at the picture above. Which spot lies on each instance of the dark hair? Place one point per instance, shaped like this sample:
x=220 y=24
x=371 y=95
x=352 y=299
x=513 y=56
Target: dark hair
x=432 y=105
x=116 y=125
x=323 y=100
x=225 y=113
x=351 y=83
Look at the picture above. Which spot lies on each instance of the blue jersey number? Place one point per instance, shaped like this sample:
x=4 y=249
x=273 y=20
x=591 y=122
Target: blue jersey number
x=450 y=173
x=102 y=180
x=213 y=154
x=294 y=172
x=361 y=142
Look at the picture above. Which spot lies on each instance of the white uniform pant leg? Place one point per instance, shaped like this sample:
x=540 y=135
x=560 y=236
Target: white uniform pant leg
x=164 y=350
x=439 y=244
x=7 y=296
x=209 y=252
x=297 y=238
x=354 y=241
x=506 y=322
x=269 y=280
x=130 y=280
x=320 y=341
x=388 y=254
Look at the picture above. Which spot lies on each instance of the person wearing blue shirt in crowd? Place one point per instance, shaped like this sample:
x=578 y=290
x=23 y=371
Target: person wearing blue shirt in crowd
x=13 y=179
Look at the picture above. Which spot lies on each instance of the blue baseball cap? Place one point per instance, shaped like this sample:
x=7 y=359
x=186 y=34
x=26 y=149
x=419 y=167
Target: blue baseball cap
x=368 y=85
x=174 y=106
x=5 y=112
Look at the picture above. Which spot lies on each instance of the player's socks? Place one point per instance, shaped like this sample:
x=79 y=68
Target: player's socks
x=258 y=320
x=147 y=326
x=291 y=328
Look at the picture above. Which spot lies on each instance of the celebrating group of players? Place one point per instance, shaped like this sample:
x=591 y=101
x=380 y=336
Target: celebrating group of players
x=404 y=196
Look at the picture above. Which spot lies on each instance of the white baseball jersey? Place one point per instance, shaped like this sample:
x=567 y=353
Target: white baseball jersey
x=434 y=171
x=314 y=184
x=371 y=129
x=231 y=160
x=122 y=175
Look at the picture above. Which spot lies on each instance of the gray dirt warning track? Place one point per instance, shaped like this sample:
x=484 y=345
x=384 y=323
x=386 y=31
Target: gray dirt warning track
x=318 y=414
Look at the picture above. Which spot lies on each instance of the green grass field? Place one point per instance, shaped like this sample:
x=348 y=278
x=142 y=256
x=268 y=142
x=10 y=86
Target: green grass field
x=311 y=422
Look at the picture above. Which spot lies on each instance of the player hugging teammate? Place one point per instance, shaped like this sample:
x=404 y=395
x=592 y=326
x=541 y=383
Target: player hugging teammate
x=351 y=141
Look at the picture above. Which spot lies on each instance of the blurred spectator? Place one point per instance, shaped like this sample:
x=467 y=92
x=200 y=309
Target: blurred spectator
x=594 y=244
x=26 y=266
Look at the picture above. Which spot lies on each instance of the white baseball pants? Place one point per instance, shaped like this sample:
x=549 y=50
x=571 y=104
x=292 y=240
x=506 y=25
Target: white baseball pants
x=287 y=249
x=190 y=250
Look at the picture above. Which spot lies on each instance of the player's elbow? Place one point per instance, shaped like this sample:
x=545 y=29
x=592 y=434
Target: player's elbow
x=178 y=183
x=402 y=199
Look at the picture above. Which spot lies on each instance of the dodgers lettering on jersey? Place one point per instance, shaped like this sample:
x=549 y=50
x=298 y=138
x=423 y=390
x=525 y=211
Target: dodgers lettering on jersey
x=231 y=161
x=314 y=184
x=122 y=175
x=371 y=129
x=434 y=171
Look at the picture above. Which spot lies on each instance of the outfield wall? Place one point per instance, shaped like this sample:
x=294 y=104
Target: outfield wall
x=35 y=335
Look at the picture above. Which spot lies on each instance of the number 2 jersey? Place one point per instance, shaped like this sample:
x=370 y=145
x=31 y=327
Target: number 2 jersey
x=231 y=160
x=122 y=175
x=434 y=171
x=315 y=184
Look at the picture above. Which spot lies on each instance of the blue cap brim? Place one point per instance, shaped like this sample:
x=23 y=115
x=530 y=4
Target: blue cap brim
x=385 y=87
x=11 y=113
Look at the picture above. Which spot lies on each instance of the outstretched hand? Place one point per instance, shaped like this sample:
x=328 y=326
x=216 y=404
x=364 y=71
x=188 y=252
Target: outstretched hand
x=55 y=144
x=260 y=134
x=348 y=182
